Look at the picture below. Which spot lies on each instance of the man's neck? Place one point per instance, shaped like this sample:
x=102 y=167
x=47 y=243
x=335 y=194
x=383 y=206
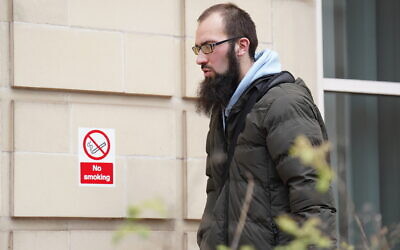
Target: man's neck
x=245 y=66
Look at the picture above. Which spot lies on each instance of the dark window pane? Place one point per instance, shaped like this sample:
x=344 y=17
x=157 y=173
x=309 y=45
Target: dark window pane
x=361 y=39
x=365 y=133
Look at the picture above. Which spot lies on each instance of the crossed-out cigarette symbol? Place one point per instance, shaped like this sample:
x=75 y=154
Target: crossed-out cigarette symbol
x=93 y=148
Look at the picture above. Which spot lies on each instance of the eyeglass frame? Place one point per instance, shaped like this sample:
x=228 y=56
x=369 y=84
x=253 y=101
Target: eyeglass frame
x=196 y=49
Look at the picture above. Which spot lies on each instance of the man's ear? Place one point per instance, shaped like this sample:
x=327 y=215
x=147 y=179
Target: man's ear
x=242 y=47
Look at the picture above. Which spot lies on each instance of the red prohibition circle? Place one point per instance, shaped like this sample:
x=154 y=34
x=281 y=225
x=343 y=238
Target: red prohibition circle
x=88 y=136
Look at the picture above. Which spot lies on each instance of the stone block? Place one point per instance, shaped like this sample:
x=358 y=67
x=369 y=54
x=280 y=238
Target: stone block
x=65 y=58
x=40 y=240
x=196 y=182
x=4 y=54
x=4 y=10
x=138 y=130
x=296 y=42
x=159 y=17
x=102 y=240
x=194 y=75
x=196 y=134
x=191 y=241
x=153 y=64
x=41 y=11
x=153 y=180
x=4 y=240
x=47 y=185
x=4 y=185
x=41 y=127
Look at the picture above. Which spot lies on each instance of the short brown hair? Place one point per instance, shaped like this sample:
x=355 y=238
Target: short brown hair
x=238 y=23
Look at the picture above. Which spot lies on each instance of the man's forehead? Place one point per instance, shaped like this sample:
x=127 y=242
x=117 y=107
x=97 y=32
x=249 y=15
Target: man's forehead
x=210 y=29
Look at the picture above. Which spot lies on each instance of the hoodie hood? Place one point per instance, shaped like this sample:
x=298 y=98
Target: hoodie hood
x=266 y=63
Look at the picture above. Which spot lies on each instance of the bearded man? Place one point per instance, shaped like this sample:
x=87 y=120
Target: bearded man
x=225 y=46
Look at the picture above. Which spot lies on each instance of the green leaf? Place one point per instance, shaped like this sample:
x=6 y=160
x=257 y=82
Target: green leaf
x=133 y=212
x=222 y=247
x=287 y=224
x=247 y=248
x=156 y=205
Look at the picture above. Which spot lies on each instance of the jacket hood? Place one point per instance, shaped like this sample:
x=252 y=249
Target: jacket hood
x=266 y=63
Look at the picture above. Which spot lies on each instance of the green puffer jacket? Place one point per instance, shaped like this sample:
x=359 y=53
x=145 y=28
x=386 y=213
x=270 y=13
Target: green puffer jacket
x=282 y=183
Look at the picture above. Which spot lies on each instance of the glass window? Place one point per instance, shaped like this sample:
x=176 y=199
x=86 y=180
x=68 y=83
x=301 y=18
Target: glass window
x=365 y=134
x=361 y=39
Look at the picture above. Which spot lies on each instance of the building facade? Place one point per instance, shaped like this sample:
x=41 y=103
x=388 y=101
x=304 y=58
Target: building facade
x=127 y=65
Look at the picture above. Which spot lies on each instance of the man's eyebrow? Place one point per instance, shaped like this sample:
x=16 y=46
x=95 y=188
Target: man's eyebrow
x=206 y=42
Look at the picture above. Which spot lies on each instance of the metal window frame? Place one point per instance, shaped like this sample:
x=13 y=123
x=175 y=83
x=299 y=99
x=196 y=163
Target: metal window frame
x=344 y=85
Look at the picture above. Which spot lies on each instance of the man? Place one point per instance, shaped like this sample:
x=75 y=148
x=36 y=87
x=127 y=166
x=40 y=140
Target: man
x=225 y=46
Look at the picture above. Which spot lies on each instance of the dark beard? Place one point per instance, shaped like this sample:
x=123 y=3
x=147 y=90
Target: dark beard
x=216 y=91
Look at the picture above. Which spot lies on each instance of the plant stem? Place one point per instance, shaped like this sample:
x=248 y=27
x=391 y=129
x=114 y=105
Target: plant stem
x=245 y=209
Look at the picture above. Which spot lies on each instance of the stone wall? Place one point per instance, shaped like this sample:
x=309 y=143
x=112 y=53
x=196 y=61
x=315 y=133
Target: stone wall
x=126 y=65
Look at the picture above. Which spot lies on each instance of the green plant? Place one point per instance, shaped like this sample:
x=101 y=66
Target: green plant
x=314 y=157
x=308 y=233
x=222 y=247
x=304 y=236
x=132 y=225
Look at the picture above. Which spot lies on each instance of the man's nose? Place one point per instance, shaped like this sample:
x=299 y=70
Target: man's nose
x=201 y=58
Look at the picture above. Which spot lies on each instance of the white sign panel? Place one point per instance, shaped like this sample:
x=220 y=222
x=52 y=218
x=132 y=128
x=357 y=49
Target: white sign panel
x=96 y=149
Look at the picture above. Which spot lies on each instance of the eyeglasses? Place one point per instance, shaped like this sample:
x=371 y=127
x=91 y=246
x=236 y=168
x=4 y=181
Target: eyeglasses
x=209 y=47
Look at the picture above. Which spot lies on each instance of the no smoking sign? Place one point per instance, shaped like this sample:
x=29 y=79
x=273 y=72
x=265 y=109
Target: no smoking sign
x=96 y=157
x=96 y=144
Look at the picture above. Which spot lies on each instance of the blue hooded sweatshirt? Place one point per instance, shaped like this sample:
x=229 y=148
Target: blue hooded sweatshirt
x=266 y=62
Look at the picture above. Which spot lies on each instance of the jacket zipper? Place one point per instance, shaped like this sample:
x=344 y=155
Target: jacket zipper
x=227 y=197
x=275 y=234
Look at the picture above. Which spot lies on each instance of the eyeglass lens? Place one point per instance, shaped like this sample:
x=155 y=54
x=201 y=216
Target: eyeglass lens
x=205 y=48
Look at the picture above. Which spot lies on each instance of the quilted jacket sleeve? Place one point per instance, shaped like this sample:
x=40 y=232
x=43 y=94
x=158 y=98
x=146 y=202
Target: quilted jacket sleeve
x=289 y=116
x=207 y=217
